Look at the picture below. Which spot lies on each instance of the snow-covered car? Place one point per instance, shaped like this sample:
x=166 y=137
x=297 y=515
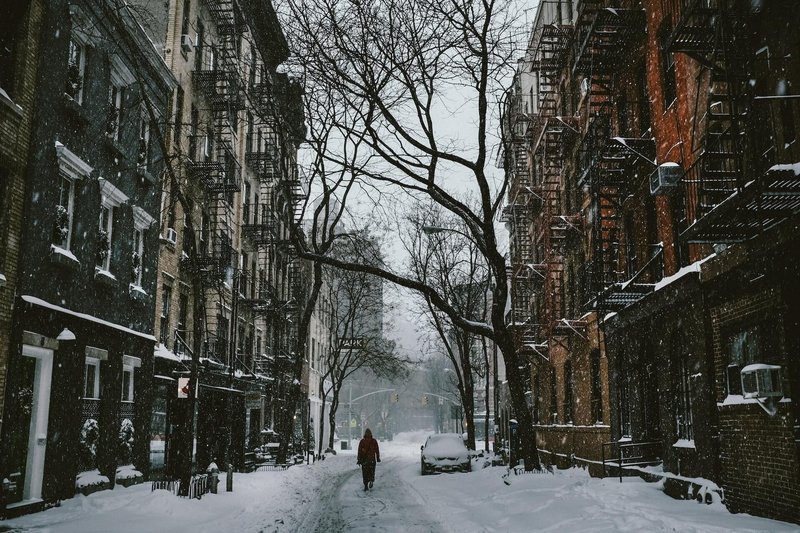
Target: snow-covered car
x=445 y=452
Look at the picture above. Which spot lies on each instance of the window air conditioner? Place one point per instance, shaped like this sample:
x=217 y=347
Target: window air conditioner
x=172 y=235
x=666 y=179
x=761 y=381
x=187 y=44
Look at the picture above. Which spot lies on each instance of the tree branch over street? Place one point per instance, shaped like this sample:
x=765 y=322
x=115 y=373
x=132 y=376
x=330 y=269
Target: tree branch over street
x=393 y=69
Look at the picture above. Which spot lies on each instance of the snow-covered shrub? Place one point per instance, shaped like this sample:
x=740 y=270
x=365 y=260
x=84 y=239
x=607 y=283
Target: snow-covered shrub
x=126 y=438
x=90 y=437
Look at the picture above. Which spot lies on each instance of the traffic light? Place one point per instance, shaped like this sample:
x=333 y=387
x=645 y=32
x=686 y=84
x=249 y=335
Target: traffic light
x=394 y=398
x=424 y=399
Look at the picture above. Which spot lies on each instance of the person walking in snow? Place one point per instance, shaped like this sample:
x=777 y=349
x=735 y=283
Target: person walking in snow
x=368 y=455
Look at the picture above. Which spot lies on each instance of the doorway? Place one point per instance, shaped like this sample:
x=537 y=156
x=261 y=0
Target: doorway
x=28 y=443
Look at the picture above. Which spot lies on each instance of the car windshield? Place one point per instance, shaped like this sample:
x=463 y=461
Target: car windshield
x=445 y=444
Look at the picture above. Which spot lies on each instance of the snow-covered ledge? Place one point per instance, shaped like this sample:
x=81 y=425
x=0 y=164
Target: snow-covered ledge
x=9 y=103
x=62 y=256
x=104 y=276
x=136 y=292
x=3 y=280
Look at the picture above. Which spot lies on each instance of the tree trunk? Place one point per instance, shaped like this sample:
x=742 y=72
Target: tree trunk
x=516 y=382
x=321 y=417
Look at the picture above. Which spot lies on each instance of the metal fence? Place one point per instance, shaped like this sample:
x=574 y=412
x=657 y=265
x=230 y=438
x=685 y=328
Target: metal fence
x=621 y=454
x=198 y=486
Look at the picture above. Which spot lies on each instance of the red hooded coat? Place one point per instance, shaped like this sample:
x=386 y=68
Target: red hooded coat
x=368 y=451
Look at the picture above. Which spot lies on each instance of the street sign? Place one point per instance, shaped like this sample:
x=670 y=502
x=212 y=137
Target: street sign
x=353 y=423
x=183 y=387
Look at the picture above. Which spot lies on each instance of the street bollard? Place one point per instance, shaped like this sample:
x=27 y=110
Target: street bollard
x=229 y=479
x=213 y=476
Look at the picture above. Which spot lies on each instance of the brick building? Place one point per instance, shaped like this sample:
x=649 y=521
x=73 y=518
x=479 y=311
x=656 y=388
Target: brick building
x=78 y=397
x=685 y=177
x=18 y=71
x=228 y=279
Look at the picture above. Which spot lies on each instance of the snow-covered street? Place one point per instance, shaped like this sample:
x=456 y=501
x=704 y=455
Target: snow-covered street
x=328 y=496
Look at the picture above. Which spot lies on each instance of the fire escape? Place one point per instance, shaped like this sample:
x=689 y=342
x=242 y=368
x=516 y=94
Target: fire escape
x=213 y=166
x=744 y=181
x=275 y=291
x=522 y=203
x=552 y=132
x=608 y=162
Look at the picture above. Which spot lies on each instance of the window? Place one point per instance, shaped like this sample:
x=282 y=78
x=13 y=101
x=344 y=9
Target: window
x=91 y=378
x=111 y=198
x=200 y=43
x=194 y=118
x=137 y=256
x=12 y=14
x=757 y=342
x=166 y=305
x=76 y=67
x=178 y=116
x=65 y=211
x=185 y=19
x=597 y=390
x=127 y=383
x=568 y=393
x=129 y=366
x=683 y=403
x=144 y=141
x=141 y=221
x=181 y=328
x=667 y=65
x=623 y=406
x=105 y=234
x=222 y=336
x=70 y=169
x=116 y=97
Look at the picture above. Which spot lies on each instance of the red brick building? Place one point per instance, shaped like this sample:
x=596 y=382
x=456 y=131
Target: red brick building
x=664 y=130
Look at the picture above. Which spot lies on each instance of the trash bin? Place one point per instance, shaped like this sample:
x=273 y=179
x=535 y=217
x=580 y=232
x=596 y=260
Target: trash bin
x=344 y=444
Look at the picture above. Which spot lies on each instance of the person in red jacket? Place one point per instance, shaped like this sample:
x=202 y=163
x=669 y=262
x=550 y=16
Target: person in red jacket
x=368 y=455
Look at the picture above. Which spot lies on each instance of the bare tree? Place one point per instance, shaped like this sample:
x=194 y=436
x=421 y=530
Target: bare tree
x=393 y=66
x=445 y=258
x=358 y=322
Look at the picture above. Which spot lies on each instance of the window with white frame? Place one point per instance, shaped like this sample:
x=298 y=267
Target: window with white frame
x=129 y=366
x=64 y=212
x=76 y=69
x=141 y=221
x=127 y=384
x=71 y=168
x=110 y=199
x=106 y=227
x=91 y=378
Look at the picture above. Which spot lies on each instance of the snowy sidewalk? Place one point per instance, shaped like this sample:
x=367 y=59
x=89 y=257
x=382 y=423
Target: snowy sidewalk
x=328 y=496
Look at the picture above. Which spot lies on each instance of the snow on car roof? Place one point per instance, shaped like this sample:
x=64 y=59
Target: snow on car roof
x=449 y=444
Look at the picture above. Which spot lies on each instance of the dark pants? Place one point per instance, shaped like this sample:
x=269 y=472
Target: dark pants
x=368 y=472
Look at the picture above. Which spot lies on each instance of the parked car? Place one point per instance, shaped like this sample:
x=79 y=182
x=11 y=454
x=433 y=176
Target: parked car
x=445 y=452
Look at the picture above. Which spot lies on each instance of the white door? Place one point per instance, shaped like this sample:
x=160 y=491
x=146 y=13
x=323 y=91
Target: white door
x=40 y=410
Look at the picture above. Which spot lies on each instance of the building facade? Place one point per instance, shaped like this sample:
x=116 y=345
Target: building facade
x=77 y=404
x=654 y=142
x=229 y=282
x=18 y=72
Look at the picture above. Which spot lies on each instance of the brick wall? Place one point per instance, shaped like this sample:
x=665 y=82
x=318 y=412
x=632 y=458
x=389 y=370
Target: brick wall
x=758 y=456
x=15 y=129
